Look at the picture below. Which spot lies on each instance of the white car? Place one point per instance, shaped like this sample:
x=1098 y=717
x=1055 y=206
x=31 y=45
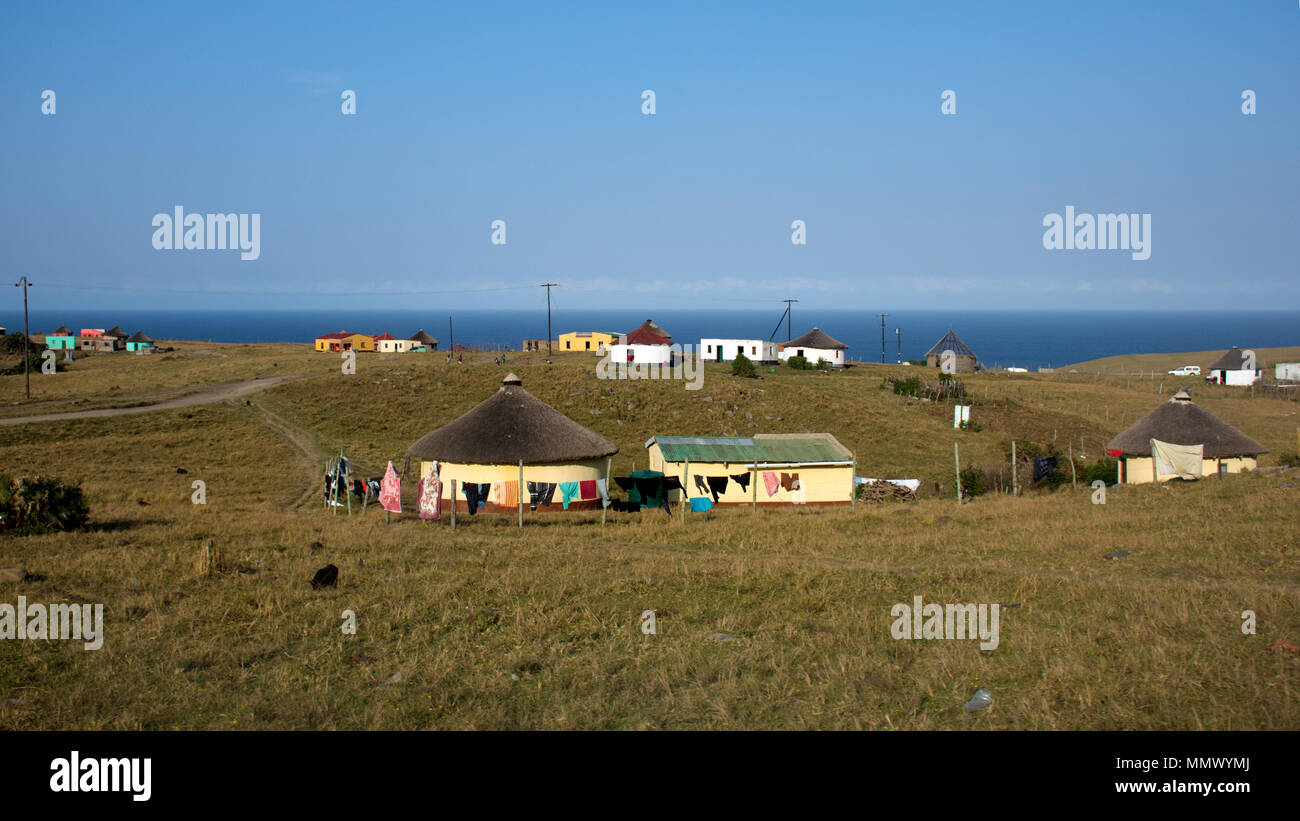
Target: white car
x=1186 y=370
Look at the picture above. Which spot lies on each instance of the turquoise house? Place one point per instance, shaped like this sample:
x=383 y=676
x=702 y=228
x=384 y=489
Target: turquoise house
x=61 y=339
x=138 y=341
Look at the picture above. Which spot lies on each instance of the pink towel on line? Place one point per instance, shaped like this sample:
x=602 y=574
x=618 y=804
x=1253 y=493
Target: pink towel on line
x=771 y=482
x=390 y=490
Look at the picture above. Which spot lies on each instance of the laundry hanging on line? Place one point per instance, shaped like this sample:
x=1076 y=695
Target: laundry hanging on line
x=390 y=490
x=540 y=493
x=717 y=485
x=429 y=495
x=568 y=493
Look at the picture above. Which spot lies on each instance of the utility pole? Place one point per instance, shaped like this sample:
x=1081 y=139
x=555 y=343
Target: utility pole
x=548 y=286
x=882 y=337
x=27 y=337
x=789 y=314
x=898 y=332
x=451 y=337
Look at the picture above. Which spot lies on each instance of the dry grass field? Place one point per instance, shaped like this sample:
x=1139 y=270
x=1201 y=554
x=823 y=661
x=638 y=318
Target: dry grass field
x=211 y=622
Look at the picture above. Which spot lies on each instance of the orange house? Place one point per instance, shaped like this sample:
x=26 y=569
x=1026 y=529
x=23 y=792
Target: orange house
x=344 y=341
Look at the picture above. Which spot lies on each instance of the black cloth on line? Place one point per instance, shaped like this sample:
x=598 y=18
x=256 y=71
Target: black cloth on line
x=717 y=484
x=741 y=479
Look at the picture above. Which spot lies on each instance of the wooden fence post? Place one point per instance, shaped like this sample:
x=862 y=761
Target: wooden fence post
x=956 y=460
x=1015 y=488
x=685 y=483
x=853 y=482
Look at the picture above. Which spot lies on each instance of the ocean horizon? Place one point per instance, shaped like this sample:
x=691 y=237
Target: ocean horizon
x=1001 y=338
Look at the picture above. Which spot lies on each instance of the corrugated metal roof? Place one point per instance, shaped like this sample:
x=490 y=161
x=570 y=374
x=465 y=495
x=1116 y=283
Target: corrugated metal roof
x=818 y=447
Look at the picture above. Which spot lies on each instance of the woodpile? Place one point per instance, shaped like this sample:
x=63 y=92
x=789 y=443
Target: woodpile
x=881 y=491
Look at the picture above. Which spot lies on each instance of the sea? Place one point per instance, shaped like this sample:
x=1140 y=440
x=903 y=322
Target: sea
x=1021 y=338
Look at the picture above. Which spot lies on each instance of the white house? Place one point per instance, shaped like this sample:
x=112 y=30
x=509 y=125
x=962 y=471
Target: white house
x=759 y=351
x=387 y=343
x=1287 y=371
x=642 y=347
x=1235 y=367
x=813 y=346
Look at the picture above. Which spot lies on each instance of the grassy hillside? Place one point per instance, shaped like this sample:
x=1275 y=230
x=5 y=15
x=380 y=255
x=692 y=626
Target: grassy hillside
x=211 y=622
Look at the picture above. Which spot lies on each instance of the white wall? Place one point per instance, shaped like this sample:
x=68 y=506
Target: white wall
x=1240 y=377
x=836 y=358
x=757 y=350
x=641 y=354
x=1287 y=370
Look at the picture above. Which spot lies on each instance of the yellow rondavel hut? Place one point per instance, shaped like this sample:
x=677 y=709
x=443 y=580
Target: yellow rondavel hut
x=487 y=445
x=1179 y=422
x=764 y=469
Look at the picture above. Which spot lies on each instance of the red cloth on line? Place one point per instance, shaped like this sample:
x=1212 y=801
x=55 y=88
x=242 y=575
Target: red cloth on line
x=587 y=489
x=390 y=490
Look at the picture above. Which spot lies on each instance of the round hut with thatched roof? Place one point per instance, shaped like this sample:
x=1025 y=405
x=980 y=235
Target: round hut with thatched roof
x=1179 y=422
x=140 y=341
x=423 y=340
x=487 y=445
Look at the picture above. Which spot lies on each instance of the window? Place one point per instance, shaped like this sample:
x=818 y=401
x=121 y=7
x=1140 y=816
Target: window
x=588 y=344
x=753 y=349
x=710 y=349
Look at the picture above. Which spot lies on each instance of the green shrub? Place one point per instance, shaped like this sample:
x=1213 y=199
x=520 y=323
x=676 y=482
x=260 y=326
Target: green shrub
x=799 y=363
x=1104 y=469
x=823 y=364
x=1289 y=459
x=743 y=367
x=40 y=505
x=972 y=482
x=12 y=345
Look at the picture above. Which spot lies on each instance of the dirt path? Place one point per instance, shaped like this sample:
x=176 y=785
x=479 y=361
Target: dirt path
x=205 y=395
x=301 y=440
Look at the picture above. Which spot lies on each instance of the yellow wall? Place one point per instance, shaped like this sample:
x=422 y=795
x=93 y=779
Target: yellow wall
x=577 y=472
x=1137 y=469
x=820 y=485
x=572 y=342
x=357 y=342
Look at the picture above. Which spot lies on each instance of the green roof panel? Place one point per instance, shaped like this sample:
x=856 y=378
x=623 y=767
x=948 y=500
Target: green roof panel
x=777 y=450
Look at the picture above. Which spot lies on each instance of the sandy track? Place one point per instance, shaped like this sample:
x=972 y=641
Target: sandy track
x=204 y=396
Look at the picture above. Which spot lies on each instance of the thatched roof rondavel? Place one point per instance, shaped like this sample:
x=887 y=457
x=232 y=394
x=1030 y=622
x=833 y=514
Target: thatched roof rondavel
x=139 y=336
x=423 y=338
x=654 y=328
x=1180 y=422
x=1233 y=359
x=509 y=426
x=62 y=330
x=817 y=338
x=951 y=342
x=116 y=331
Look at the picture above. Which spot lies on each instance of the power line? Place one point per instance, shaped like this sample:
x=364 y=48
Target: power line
x=349 y=294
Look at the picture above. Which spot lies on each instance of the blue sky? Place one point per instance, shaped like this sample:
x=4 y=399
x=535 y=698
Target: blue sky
x=765 y=113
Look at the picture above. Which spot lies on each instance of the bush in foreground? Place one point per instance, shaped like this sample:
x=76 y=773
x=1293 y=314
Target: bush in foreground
x=40 y=505
x=743 y=367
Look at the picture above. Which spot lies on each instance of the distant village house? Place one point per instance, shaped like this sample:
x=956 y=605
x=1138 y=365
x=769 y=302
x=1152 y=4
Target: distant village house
x=964 y=359
x=814 y=346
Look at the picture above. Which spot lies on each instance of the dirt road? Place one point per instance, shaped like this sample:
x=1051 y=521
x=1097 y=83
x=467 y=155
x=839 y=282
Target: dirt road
x=204 y=396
